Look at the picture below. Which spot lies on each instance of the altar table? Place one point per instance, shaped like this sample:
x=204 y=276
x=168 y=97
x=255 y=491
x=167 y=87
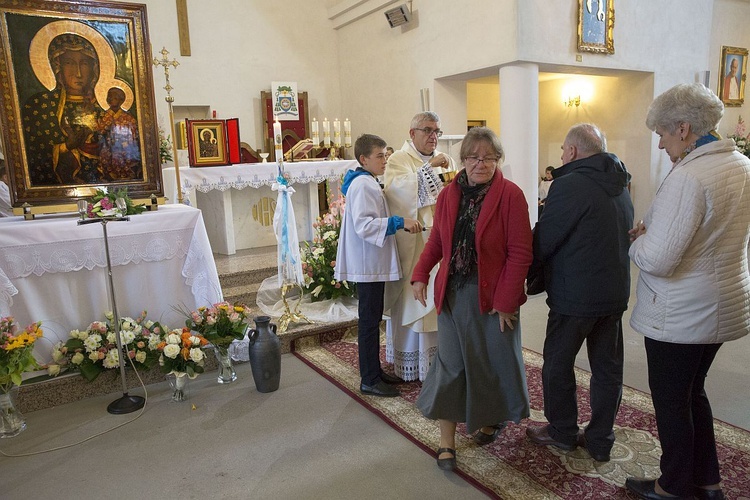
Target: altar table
x=53 y=270
x=238 y=218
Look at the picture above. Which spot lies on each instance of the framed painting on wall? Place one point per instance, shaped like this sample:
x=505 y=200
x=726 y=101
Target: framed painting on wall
x=596 y=24
x=732 y=76
x=78 y=108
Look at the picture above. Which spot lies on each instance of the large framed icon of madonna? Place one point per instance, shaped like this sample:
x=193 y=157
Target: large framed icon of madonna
x=77 y=103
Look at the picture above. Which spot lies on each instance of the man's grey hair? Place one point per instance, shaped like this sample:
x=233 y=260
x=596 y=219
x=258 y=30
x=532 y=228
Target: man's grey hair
x=425 y=116
x=587 y=138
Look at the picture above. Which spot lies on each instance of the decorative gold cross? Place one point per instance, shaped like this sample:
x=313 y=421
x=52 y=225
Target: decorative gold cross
x=166 y=63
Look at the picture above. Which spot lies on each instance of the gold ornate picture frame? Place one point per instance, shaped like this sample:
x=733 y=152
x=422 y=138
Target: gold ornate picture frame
x=78 y=107
x=207 y=143
x=596 y=25
x=732 y=76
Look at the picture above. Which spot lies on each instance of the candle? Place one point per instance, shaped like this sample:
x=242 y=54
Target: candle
x=315 y=133
x=326 y=133
x=347 y=133
x=337 y=133
x=277 y=140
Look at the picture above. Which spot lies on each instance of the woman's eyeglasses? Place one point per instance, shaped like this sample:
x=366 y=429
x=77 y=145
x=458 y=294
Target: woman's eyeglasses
x=473 y=161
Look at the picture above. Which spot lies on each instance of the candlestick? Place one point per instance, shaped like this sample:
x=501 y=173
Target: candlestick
x=337 y=133
x=326 y=133
x=279 y=148
x=315 y=133
x=347 y=133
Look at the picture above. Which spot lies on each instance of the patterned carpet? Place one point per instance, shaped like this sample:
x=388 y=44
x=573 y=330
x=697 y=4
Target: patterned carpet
x=514 y=468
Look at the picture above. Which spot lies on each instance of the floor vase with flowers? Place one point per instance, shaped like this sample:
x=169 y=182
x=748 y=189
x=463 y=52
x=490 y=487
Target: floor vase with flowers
x=178 y=382
x=12 y=422
x=227 y=374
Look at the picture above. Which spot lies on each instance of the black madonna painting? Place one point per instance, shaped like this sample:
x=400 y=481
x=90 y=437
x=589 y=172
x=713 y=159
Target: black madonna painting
x=78 y=105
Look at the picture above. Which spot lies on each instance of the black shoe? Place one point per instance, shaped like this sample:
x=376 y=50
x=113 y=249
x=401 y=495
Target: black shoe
x=380 y=389
x=446 y=463
x=644 y=489
x=390 y=379
x=598 y=456
x=482 y=439
x=540 y=435
x=702 y=494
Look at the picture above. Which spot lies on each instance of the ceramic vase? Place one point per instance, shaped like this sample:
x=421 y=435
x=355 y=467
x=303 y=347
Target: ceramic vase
x=265 y=355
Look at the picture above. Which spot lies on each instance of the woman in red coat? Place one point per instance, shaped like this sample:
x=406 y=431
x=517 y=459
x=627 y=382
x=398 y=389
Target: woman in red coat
x=482 y=240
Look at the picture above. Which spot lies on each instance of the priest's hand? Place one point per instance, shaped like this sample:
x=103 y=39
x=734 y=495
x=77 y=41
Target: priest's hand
x=440 y=160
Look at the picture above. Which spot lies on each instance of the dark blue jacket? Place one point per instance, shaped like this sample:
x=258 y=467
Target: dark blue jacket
x=582 y=237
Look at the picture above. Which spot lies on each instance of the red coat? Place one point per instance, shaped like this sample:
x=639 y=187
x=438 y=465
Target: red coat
x=503 y=242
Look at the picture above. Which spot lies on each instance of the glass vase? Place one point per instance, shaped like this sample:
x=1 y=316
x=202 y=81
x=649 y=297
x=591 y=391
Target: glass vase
x=227 y=374
x=178 y=381
x=12 y=422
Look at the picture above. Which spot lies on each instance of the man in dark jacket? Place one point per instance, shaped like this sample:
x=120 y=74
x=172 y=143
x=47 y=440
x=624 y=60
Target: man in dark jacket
x=582 y=243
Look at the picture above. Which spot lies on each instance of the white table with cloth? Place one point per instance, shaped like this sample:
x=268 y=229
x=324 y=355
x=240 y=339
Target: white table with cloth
x=237 y=217
x=53 y=270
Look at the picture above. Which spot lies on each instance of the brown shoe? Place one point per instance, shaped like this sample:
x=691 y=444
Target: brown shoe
x=540 y=435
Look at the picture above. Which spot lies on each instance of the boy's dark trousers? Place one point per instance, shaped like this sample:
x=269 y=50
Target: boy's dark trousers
x=370 y=314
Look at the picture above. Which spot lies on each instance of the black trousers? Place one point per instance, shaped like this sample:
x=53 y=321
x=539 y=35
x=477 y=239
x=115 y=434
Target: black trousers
x=676 y=377
x=370 y=315
x=565 y=336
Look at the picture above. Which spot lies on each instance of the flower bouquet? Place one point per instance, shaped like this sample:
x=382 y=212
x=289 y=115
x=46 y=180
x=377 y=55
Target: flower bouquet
x=741 y=139
x=16 y=352
x=221 y=324
x=103 y=204
x=16 y=357
x=93 y=350
x=182 y=357
x=319 y=257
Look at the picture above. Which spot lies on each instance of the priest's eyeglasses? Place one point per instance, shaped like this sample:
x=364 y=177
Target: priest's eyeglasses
x=429 y=131
x=473 y=161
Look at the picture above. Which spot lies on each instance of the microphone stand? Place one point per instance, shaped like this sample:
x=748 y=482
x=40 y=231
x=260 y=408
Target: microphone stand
x=127 y=403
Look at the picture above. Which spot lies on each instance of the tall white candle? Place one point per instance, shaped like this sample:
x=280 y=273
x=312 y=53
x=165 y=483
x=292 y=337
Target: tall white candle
x=315 y=133
x=277 y=140
x=347 y=133
x=337 y=133
x=326 y=133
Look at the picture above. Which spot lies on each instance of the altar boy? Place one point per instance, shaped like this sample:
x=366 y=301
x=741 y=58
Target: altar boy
x=367 y=255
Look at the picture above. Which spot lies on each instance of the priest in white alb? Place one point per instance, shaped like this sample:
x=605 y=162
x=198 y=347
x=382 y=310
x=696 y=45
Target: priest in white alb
x=412 y=184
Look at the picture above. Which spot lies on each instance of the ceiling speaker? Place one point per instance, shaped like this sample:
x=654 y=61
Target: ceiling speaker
x=398 y=16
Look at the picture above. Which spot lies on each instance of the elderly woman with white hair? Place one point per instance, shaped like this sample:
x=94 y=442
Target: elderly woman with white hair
x=693 y=291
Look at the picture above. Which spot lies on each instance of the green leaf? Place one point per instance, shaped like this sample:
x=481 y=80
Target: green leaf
x=90 y=371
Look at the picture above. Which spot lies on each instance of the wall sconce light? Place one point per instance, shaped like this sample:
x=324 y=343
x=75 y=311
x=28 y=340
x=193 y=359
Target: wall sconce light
x=577 y=92
x=573 y=100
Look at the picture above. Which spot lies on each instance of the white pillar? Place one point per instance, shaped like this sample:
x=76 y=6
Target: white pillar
x=519 y=129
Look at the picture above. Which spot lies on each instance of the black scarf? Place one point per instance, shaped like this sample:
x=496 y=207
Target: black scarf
x=463 y=264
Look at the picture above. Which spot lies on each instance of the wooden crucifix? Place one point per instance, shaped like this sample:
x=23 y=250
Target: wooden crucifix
x=183 y=28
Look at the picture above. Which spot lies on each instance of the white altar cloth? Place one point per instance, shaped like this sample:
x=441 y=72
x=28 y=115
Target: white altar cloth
x=53 y=270
x=228 y=207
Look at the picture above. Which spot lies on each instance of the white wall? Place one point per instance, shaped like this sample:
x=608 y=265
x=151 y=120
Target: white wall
x=372 y=74
x=238 y=47
x=729 y=28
